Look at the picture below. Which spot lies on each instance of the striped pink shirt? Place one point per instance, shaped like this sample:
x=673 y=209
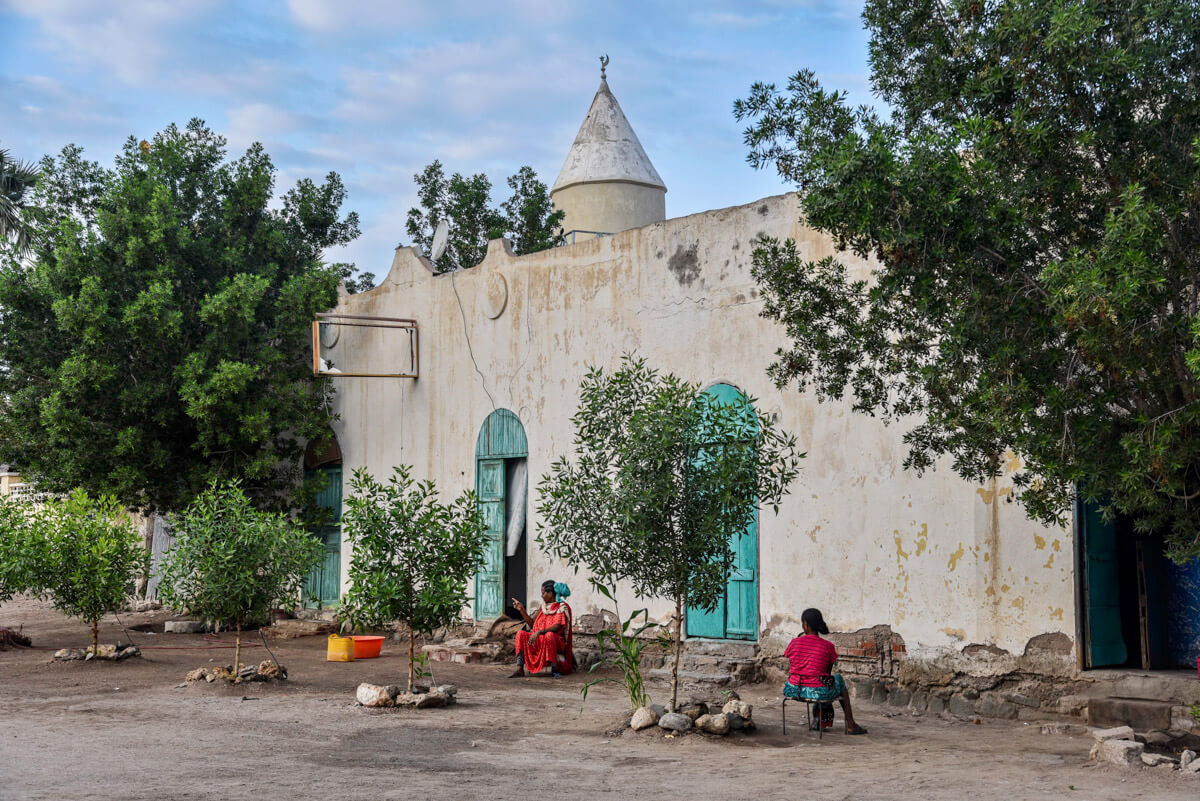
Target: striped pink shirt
x=810 y=657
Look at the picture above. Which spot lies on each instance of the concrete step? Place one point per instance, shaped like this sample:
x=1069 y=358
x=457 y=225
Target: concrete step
x=740 y=669
x=694 y=677
x=1143 y=714
x=462 y=654
x=730 y=649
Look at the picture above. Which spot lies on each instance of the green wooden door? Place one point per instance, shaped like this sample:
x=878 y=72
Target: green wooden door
x=501 y=437
x=1105 y=639
x=736 y=616
x=489 y=580
x=322 y=587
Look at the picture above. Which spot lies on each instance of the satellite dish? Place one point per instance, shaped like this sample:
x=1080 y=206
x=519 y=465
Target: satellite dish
x=440 y=236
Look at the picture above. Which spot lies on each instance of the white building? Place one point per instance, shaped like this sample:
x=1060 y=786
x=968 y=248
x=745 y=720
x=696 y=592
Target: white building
x=920 y=574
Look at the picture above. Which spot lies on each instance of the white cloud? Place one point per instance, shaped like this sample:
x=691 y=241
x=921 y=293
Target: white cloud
x=129 y=39
x=259 y=122
x=729 y=19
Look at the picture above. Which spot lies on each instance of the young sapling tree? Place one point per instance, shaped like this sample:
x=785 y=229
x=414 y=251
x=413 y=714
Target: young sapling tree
x=19 y=554
x=663 y=477
x=412 y=555
x=233 y=563
x=84 y=554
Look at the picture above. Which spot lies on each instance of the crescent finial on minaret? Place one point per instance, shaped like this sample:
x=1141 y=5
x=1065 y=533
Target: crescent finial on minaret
x=603 y=65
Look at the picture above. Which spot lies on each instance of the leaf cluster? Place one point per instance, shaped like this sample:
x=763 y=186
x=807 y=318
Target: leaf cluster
x=83 y=553
x=21 y=554
x=622 y=646
x=158 y=338
x=413 y=555
x=233 y=563
x=17 y=180
x=661 y=476
x=1030 y=205
x=527 y=217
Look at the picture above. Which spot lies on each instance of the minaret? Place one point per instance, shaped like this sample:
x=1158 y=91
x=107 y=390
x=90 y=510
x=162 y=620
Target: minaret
x=607 y=183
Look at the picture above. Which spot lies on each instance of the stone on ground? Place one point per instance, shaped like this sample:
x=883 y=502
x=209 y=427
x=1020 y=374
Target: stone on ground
x=1118 y=752
x=673 y=721
x=1154 y=760
x=736 y=707
x=183 y=626
x=373 y=695
x=1115 y=733
x=713 y=724
x=643 y=718
x=1187 y=758
x=694 y=710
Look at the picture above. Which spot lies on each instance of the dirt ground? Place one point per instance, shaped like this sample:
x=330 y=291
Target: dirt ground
x=128 y=731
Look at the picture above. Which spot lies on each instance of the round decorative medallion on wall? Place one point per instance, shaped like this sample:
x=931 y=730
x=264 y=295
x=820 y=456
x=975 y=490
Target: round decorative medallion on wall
x=497 y=296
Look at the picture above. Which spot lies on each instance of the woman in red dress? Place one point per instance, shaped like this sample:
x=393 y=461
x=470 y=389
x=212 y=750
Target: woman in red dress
x=548 y=646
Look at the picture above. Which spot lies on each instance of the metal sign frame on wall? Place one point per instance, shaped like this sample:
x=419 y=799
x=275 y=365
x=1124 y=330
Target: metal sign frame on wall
x=321 y=365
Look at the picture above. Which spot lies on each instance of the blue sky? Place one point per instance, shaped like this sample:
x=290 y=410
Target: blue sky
x=375 y=90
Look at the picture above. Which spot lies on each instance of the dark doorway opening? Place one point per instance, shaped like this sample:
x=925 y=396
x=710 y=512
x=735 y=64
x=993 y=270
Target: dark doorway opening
x=515 y=546
x=1138 y=609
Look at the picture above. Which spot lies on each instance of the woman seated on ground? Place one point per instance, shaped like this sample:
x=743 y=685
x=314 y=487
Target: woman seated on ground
x=811 y=677
x=547 y=649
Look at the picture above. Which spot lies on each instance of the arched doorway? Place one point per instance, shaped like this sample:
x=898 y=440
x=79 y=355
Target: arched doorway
x=323 y=468
x=736 y=616
x=501 y=484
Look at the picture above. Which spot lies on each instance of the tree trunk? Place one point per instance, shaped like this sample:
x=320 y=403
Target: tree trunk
x=237 y=650
x=96 y=637
x=675 y=663
x=143 y=581
x=412 y=669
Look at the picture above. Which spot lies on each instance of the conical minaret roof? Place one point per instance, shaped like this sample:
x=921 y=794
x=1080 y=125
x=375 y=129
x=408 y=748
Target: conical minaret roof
x=606 y=149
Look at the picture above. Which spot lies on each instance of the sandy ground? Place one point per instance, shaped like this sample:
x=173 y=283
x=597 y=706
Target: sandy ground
x=127 y=731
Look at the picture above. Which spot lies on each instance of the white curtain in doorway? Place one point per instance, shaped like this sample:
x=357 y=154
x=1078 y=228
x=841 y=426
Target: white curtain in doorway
x=517 y=490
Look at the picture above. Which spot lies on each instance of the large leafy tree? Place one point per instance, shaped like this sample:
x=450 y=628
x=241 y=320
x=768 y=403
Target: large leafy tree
x=662 y=476
x=159 y=338
x=413 y=555
x=1031 y=207
x=465 y=203
x=17 y=180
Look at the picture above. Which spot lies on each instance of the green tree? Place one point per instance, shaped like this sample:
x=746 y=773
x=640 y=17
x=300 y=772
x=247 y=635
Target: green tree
x=527 y=216
x=233 y=563
x=533 y=222
x=87 y=556
x=412 y=555
x=662 y=475
x=17 y=180
x=20 y=554
x=160 y=337
x=1036 y=278
x=355 y=281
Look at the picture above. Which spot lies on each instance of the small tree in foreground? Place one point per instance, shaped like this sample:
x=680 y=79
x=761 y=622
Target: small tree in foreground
x=233 y=563
x=412 y=556
x=85 y=554
x=18 y=550
x=663 y=476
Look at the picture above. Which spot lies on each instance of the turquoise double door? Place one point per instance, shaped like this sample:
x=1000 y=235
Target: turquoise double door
x=736 y=616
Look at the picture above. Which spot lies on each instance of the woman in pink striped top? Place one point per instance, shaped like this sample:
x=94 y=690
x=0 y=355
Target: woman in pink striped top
x=811 y=677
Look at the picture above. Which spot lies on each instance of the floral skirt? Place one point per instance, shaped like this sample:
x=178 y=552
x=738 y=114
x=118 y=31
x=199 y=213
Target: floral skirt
x=816 y=693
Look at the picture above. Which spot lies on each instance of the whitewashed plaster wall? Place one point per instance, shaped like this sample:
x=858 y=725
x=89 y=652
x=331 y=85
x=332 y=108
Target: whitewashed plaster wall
x=944 y=562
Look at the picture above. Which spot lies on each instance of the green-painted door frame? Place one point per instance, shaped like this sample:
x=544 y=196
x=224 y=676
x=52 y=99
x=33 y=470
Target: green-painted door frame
x=500 y=438
x=322 y=586
x=736 y=616
x=1101 y=588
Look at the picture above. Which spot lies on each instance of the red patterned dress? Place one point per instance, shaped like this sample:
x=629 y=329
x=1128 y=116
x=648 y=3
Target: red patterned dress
x=552 y=648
